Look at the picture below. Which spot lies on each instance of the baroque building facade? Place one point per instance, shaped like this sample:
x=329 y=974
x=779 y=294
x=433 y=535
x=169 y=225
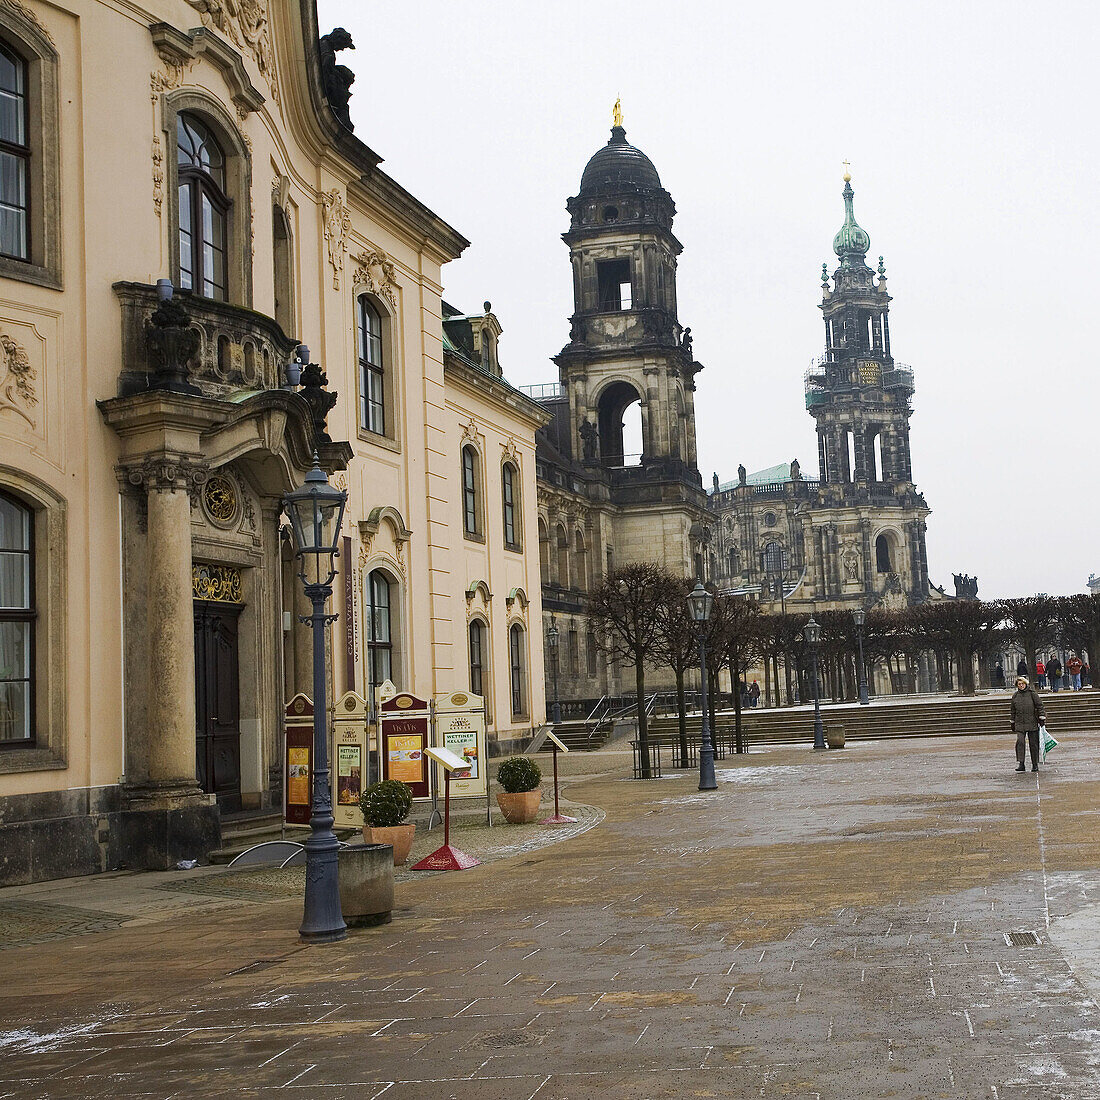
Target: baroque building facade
x=169 y=245
x=854 y=536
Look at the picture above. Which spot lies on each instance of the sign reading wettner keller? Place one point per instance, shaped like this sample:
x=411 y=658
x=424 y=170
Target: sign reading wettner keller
x=217 y=583
x=460 y=727
x=351 y=757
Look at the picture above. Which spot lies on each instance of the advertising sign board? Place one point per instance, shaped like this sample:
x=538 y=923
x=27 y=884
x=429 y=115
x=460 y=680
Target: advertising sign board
x=460 y=727
x=350 y=764
x=405 y=721
x=298 y=785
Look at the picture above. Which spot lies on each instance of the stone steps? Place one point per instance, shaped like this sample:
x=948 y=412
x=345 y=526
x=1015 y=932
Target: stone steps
x=1067 y=712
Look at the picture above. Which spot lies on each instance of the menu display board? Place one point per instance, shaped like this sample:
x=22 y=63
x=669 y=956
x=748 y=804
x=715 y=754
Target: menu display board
x=298 y=788
x=405 y=725
x=460 y=727
x=350 y=763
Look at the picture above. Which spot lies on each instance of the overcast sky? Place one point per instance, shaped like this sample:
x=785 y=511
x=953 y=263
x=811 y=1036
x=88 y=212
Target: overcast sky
x=973 y=141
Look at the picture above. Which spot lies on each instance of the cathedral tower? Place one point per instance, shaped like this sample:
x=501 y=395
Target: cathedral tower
x=860 y=398
x=626 y=345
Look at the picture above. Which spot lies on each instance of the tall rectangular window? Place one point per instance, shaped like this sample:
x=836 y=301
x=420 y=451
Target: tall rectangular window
x=16 y=623
x=476 y=658
x=590 y=650
x=14 y=155
x=372 y=396
x=516 y=662
x=508 y=494
x=469 y=492
x=614 y=285
x=379 y=634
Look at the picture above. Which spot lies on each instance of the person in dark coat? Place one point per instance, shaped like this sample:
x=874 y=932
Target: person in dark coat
x=1054 y=671
x=1027 y=716
x=1021 y=667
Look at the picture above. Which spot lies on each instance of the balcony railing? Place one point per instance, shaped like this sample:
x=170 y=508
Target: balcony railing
x=544 y=391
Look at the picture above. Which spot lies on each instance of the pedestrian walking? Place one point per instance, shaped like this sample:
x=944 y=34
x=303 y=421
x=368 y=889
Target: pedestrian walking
x=999 y=675
x=1040 y=673
x=754 y=693
x=1054 y=671
x=1086 y=675
x=1073 y=667
x=1021 y=667
x=1027 y=716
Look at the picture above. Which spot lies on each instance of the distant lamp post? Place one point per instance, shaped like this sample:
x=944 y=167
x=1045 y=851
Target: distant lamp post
x=316 y=511
x=860 y=617
x=552 y=639
x=701 y=603
x=812 y=633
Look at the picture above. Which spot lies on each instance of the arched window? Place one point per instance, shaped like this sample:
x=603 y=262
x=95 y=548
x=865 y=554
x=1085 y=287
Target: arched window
x=15 y=156
x=283 y=270
x=477 y=656
x=509 y=479
x=734 y=562
x=372 y=381
x=17 y=621
x=563 y=557
x=517 y=660
x=580 y=562
x=544 y=551
x=203 y=209
x=882 y=555
x=775 y=560
x=471 y=492
x=379 y=628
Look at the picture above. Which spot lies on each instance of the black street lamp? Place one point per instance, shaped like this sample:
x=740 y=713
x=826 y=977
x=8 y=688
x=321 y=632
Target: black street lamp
x=812 y=633
x=316 y=511
x=701 y=602
x=552 y=642
x=860 y=617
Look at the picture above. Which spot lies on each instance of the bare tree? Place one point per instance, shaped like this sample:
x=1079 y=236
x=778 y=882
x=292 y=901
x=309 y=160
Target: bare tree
x=624 y=611
x=738 y=639
x=1031 y=623
x=677 y=645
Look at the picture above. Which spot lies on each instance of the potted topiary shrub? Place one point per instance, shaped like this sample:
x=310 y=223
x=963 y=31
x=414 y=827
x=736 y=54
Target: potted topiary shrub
x=385 y=805
x=520 y=780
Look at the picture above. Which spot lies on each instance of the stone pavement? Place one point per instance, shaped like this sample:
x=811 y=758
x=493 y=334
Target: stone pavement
x=824 y=925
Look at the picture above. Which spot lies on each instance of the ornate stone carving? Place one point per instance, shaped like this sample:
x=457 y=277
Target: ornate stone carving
x=172 y=344
x=245 y=24
x=218 y=583
x=164 y=472
x=336 y=228
x=337 y=79
x=280 y=194
x=158 y=174
x=25 y=13
x=170 y=77
x=219 y=500
x=469 y=431
x=17 y=377
x=319 y=399
x=375 y=272
x=511 y=451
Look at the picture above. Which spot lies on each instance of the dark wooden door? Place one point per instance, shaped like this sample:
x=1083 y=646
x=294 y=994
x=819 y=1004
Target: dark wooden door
x=217 y=704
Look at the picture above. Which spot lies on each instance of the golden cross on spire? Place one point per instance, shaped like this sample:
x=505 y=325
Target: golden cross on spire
x=617 y=114
x=847 y=172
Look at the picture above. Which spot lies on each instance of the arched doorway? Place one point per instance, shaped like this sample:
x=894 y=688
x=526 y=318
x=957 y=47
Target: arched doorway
x=620 y=425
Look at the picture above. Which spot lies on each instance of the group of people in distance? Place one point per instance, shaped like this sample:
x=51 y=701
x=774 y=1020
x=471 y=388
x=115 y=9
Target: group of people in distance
x=1076 y=674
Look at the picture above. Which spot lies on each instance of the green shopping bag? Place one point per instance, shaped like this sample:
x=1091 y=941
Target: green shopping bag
x=1046 y=742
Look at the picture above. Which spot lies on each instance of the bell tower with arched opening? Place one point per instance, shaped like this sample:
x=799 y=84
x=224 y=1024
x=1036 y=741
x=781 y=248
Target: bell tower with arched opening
x=628 y=370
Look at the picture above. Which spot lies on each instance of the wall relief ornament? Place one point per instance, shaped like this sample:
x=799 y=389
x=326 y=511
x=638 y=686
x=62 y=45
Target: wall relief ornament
x=170 y=77
x=511 y=450
x=219 y=500
x=469 y=431
x=158 y=174
x=218 y=583
x=245 y=24
x=336 y=228
x=375 y=273
x=25 y=13
x=17 y=377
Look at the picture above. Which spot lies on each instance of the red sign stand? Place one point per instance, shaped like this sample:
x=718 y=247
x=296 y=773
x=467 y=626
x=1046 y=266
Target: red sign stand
x=559 y=818
x=446 y=858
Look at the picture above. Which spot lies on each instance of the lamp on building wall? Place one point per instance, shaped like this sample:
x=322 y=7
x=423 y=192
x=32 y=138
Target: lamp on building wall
x=316 y=512
x=812 y=633
x=701 y=603
x=860 y=617
x=552 y=639
x=295 y=366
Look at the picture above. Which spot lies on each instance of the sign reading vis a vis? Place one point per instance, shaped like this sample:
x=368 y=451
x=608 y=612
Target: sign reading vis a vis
x=405 y=721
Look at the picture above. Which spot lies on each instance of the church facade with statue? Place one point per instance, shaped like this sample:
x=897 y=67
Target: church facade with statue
x=849 y=535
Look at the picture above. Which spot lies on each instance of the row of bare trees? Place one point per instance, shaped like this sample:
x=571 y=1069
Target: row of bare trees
x=640 y=617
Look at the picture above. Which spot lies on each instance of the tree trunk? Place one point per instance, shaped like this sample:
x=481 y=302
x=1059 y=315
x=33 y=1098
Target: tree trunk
x=643 y=722
x=767 y=681
x=682 y=707
x=735 y=679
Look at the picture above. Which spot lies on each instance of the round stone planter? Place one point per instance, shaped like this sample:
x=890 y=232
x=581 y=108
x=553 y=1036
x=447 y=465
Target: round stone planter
x=834 y=736
x=399 y=836
x=521 y=808
x=365 y=872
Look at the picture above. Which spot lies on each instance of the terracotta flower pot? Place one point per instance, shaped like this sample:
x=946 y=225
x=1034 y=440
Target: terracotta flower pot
x=521 y=808
x=400 y=836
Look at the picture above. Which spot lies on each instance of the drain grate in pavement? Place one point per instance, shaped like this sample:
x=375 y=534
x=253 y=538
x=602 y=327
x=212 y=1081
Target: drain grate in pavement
x=1021 y=939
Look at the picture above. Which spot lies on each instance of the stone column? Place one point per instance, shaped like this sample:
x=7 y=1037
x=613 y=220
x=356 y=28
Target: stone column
x=170 y=621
